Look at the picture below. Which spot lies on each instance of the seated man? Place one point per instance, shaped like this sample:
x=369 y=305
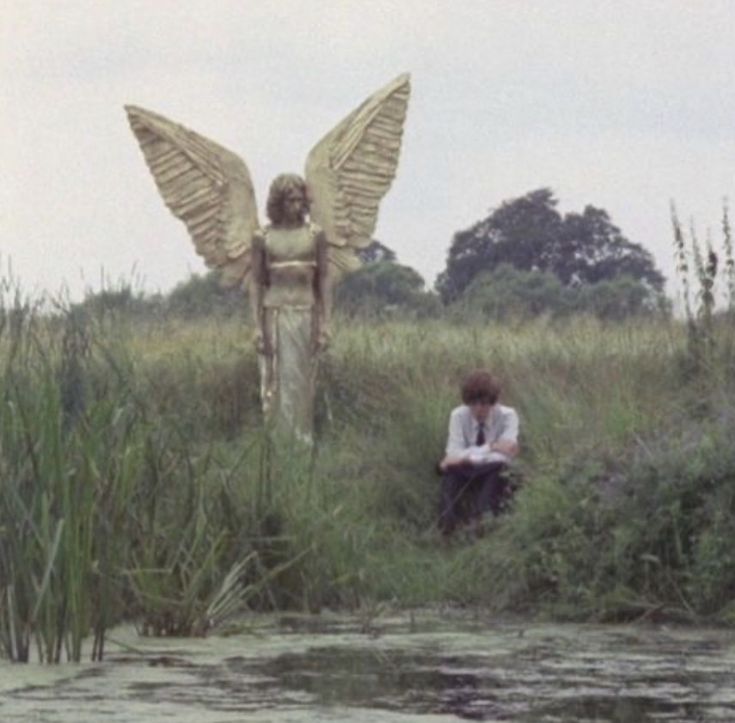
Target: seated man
x=483 y=439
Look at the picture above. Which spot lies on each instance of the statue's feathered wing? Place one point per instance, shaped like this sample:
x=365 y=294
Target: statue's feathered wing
x=206 y=186
x=350 y=170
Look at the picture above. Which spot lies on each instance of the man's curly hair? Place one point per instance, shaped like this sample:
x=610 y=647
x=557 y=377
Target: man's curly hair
x=480 y=386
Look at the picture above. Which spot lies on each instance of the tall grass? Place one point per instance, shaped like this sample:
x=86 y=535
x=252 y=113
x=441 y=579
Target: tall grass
x=105 y=511
x=137 y=482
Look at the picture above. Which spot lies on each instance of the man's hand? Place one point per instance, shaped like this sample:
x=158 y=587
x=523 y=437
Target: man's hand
x=448 y=462
x=504 y=446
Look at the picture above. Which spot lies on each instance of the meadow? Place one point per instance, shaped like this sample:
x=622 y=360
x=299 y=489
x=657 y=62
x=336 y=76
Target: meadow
x=136 y=482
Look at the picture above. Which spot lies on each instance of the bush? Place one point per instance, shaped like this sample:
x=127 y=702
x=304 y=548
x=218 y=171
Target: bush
x=122 y=301
x=508 y=293
x=619 y=299
x=202 y=296
x=384 y=288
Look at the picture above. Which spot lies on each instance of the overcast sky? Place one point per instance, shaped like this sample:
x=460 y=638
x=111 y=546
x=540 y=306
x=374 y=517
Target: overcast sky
x=623 y=105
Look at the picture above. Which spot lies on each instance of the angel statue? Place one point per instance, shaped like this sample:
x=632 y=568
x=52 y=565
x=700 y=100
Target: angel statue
x=289 y=265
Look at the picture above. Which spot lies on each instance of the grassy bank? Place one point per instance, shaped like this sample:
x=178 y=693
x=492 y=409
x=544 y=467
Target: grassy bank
x=136 y=482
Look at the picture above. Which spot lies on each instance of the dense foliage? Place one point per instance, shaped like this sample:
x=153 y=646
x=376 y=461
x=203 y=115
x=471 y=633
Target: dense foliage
x=508 y=293
x=523 y=261
x=530 y=234
x=137 y=484
x=205 y=296
x=376 y=251
x=197 y=297
x=383 y=288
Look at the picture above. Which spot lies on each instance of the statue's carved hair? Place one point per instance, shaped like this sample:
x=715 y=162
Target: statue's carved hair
x=480 y=386
x=280 y=187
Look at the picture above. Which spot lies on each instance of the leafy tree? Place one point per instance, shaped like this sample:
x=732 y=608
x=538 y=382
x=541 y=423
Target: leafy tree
x=196 y=297
x=385 y=286
x=376 y=285
x=619 y=298
x=509 y=293
x=593 y=249
x=376 y=251
x=530 y=234
x=122 y=301
x=205 y=296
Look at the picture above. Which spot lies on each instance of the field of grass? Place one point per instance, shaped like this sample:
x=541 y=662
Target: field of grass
x=136 y=483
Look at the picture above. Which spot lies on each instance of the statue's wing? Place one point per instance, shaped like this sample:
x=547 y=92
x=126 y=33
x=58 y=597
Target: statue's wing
x=350 y=170
x=204 y=185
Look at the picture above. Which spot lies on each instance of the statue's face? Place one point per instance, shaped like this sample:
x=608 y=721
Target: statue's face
x=295 y=206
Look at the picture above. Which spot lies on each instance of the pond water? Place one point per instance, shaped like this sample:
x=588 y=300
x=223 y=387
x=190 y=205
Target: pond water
x=413 y=667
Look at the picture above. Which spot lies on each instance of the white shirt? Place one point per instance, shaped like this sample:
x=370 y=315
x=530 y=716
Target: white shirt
x=501 y=424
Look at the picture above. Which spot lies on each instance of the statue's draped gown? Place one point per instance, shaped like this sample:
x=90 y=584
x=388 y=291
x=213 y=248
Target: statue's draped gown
x=289 y=264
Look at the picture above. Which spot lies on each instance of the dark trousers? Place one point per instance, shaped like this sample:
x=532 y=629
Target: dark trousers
x=470 y=490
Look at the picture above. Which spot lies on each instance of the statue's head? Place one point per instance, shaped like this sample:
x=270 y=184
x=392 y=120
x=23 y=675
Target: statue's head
x=288 y=202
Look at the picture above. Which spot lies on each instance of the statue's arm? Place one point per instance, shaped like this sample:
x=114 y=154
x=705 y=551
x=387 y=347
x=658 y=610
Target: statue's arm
x=257 y=286
x=323 y=291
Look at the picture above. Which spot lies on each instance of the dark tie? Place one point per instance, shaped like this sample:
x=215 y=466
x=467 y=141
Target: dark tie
x=480 y=434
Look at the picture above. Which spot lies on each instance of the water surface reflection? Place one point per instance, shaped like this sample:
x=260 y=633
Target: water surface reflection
x=301 y=669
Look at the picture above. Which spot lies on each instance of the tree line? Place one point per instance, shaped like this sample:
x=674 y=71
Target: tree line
x=523 y=260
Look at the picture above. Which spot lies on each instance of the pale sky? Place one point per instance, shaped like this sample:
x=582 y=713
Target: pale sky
x=623 y=105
